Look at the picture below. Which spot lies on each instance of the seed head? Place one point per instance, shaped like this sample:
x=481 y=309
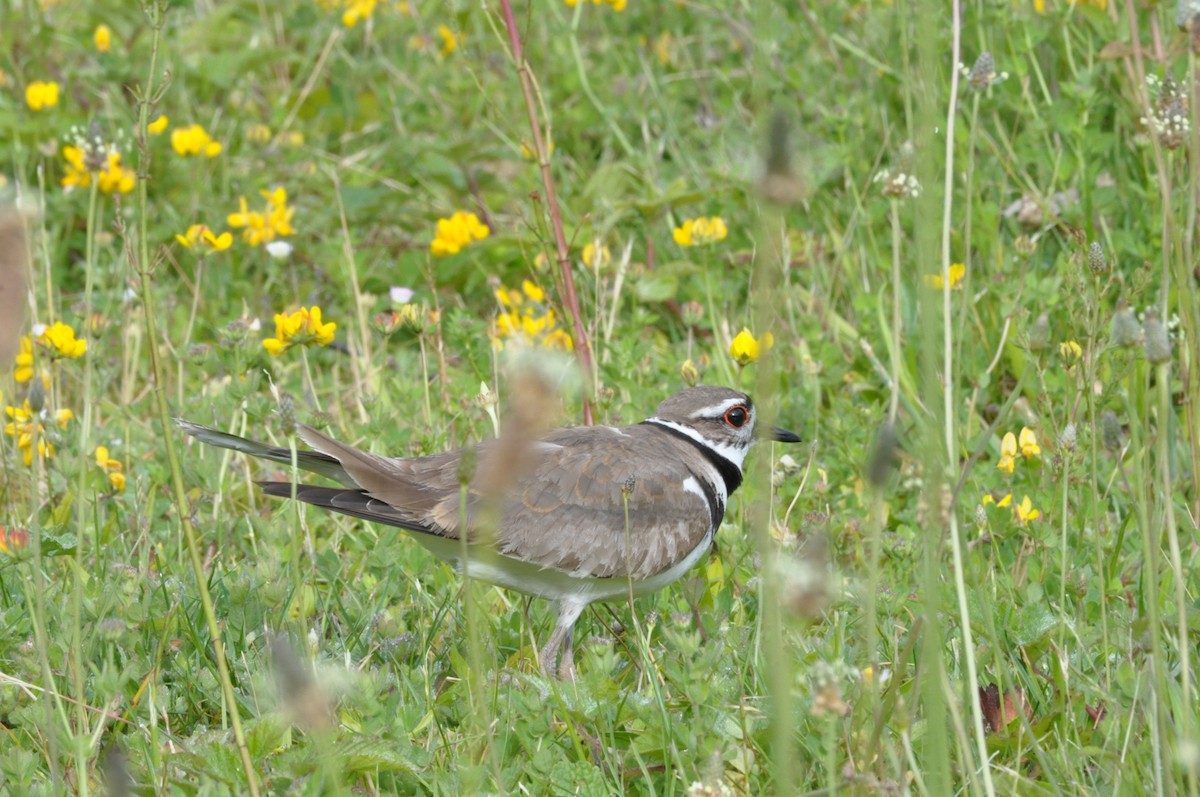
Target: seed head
x=983 y=74
x=1157 y=345
x=1126 y=331
x=1039 y=333
x=1110 y=430
x=1097 y=262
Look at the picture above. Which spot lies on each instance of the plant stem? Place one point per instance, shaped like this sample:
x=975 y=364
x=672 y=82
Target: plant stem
x=583 y=350
x=897 y=322
x=960 y=587
x=77 y=670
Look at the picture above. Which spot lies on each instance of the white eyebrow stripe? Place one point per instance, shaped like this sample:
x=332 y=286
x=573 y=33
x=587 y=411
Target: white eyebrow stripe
x=720 y=409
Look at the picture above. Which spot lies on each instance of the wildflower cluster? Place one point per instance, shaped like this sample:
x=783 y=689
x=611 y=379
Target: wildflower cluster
x=200 y=237
x=1011 y=447
x=457 y=232
x=263 y=227
x=1023 y=512
x=40 y=95
x=112 y=467
x=745 y=348
x=90 y=157
x=194 y=140
x=703 y=230
x=1169 y=117
x=300 y=328
x=617 y=5
x=899 y=184
x=356 y=11
x=25 y=426
x=58 y=340
x=526 y=320
x=13 y=540
x=957 y=272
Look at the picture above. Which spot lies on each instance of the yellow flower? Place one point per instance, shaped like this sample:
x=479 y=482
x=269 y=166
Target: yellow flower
x=597 y=257
x=103 y=38
x=264 y=227
x=357 y=11
x=157 y=126
x=200 y=235
x=1070 y=350
x=957 y=271
x=1008 y=453
x=703 y=230
x=112 y=467
x=63 y=417
x=450 y=40
x=1025 y=511
x=456 y=232
x=60 y=339
x=535 y=293
x=40 y=95
x=301 y=328
x=23 y=371
x=1005 y=501
x=194 y=140
x=1028 y=442
x=745 y=348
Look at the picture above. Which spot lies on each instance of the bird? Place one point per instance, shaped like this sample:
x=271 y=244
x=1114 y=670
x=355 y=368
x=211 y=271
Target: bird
x=575 y=515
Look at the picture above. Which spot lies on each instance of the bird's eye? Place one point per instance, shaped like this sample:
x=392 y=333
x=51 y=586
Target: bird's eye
x=736 y=416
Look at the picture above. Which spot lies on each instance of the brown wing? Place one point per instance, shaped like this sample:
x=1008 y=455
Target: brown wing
x=569 y=512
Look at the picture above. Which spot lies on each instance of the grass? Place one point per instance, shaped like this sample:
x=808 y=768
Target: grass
x=885 y=611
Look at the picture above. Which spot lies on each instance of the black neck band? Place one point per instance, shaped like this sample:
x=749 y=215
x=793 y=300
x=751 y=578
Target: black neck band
x=731 y=474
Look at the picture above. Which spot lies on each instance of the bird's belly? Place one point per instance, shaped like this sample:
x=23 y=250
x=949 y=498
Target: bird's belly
x=486 y=565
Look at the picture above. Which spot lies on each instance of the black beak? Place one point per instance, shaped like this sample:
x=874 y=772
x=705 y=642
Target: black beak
x=783 y=435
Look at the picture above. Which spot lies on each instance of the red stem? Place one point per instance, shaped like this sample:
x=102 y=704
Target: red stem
x=583 y=350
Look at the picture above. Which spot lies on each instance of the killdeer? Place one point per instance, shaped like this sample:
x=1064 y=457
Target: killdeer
x=578 y=515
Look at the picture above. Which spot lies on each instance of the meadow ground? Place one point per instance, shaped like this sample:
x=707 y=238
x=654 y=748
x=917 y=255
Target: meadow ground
x=970 y=238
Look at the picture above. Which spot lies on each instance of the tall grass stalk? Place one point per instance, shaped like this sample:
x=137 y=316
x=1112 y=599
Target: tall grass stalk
x=156 y=16
x=948 y=398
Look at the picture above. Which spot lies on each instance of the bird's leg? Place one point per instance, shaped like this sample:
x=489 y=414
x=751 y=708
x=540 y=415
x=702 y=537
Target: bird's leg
x=566 y=665
x=569 y=610
x=549 y=654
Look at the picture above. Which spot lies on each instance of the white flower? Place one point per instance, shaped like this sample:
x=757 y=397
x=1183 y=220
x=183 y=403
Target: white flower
x=279 y=249
x=37 y=330
x=401 y=295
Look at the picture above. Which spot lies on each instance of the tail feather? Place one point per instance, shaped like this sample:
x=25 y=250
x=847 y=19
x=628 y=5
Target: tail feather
x=354 y=502
x=312 y=461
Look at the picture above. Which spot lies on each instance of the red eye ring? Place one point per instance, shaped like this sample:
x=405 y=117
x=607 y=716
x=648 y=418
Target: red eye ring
x=737 y=416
